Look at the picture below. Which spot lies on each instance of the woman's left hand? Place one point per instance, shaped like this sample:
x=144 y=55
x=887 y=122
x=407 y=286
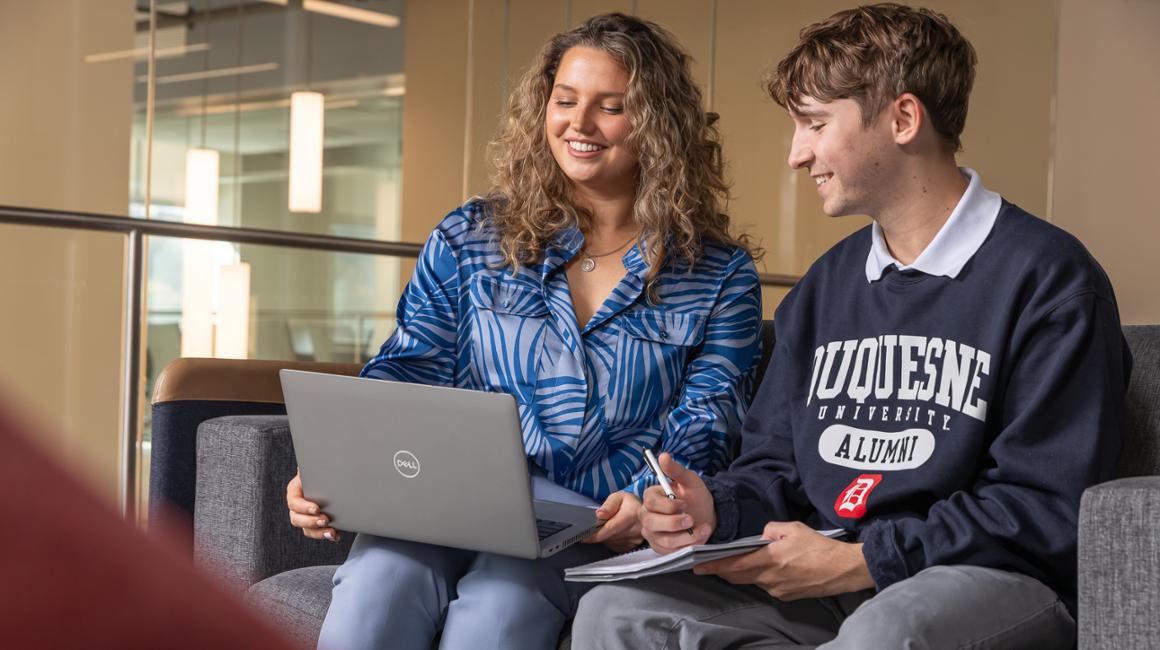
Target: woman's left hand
x=621 y=529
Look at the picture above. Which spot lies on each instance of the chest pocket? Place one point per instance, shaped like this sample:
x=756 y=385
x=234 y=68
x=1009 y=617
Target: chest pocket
x=507 y=334
x=511 y=298
x=653 y=351
x=667 y=328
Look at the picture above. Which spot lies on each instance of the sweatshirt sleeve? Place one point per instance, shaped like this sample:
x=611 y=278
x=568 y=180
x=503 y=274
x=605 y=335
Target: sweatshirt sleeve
x=763 y=484
x=1060 y=419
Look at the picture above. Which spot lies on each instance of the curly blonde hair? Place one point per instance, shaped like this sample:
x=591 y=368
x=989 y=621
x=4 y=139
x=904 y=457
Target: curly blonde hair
x=681 y=188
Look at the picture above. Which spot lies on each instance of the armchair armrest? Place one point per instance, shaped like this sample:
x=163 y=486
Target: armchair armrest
x=1119 y=564
x=191 y=391
x=242 y=532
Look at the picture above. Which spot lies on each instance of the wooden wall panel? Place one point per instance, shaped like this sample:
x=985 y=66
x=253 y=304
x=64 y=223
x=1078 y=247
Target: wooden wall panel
x=530 y=24
x=689 y=21
x=581 y=10
x=65 y=129
x=489 y=89
x=1107 y=136
x=434 y=114
x=1008 y=133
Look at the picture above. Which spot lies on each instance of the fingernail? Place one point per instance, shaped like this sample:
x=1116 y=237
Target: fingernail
x=313 y=510
x=328 y=535
x=600 y=512
x=321 y=522
x=686 y=521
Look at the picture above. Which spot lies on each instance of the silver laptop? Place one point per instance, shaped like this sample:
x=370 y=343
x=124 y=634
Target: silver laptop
x=429 y=464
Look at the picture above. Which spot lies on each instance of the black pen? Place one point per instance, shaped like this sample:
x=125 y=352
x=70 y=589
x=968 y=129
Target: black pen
x=655 y=466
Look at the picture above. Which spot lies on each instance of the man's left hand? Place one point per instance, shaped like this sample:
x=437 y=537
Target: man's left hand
x=800 y=563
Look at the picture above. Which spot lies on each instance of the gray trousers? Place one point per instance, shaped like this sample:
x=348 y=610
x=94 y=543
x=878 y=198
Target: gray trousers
x=941 y=607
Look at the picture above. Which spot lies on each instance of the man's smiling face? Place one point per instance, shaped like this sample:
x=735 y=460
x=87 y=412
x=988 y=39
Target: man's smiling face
x=848 y=161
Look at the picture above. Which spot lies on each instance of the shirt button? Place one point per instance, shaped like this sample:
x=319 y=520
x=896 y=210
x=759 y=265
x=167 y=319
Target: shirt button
x=664 y=335
x=507 y=303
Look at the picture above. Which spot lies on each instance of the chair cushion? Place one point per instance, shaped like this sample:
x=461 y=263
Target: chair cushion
x=295 y=601
x=1141 y=452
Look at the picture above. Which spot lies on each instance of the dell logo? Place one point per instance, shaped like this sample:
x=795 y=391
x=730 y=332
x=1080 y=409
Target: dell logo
x=406 y=464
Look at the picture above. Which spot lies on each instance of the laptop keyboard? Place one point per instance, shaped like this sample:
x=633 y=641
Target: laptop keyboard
x=547 y=527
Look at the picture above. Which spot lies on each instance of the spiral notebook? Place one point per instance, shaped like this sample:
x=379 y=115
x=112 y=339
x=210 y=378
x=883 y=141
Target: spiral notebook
x=647 y=562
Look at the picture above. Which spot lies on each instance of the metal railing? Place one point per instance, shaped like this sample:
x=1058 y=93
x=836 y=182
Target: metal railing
x=135 y=230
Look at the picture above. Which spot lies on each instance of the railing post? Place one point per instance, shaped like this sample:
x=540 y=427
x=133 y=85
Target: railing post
x=131 y=390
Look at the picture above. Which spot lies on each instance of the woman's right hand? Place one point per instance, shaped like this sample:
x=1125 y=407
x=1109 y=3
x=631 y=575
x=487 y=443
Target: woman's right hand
x=306 y=515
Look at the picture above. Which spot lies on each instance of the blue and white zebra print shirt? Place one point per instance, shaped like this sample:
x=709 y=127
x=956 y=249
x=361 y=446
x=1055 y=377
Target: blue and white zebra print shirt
x=675 y=376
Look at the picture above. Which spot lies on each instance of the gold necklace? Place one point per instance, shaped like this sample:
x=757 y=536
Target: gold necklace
x=588 y=263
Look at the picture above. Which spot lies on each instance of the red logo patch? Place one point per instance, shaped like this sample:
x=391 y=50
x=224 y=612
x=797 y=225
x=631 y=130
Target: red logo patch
x=851 y=503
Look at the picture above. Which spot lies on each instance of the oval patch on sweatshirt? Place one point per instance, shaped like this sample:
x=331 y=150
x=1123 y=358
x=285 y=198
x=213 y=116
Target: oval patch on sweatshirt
x=875 y=450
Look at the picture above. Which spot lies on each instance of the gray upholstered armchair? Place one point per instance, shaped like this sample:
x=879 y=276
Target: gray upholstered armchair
x=221 y=459
x=1119 y=521
x=230 y=472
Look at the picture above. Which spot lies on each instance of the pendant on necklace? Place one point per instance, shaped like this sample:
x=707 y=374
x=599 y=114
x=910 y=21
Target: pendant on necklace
x=587 y=264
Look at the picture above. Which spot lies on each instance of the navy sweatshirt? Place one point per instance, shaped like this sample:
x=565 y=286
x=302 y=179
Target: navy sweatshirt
x=943 y=421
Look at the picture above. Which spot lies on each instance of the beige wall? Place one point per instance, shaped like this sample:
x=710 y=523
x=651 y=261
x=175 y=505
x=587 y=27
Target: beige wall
x=64 y=145
x=453 y=115
x=1107 y=137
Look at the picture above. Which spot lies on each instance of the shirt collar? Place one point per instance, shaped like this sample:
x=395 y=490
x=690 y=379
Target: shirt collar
x=567 y=243
x=956 y=242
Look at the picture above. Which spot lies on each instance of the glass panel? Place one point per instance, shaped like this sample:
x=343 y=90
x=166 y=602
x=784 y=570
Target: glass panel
x=225 y=73
x=216 y=299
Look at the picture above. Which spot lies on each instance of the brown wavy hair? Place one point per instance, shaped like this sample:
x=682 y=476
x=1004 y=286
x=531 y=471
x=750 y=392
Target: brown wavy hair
x=875 y=53
x=681 y=188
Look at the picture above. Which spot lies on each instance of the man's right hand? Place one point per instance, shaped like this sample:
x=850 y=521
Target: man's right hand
x=665 y=522
x=306 y=514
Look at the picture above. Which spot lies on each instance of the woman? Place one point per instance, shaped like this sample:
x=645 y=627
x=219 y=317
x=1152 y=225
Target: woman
x=601 y=287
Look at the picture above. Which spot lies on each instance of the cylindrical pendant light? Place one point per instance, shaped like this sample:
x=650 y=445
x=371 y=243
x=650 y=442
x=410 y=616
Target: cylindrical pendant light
x=201 y=207
x=201 y=186
x=232 y=331
x=306 y=130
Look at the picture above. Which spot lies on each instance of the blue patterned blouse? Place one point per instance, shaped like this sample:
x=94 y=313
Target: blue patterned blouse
x=673 y=377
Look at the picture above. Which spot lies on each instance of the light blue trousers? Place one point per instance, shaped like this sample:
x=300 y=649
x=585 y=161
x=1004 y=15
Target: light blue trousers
x=395 y=594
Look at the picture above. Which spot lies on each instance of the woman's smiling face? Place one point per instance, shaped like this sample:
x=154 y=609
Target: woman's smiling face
x=586 y=125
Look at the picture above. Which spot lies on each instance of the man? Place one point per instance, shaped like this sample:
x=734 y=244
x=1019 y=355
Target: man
x=945 y=384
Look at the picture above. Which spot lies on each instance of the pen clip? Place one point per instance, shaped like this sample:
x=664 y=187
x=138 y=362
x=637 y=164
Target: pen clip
x=655 y=465
x=650 y=459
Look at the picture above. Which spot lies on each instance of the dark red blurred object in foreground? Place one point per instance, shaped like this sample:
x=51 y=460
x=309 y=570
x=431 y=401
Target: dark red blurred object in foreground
x=75 y=575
